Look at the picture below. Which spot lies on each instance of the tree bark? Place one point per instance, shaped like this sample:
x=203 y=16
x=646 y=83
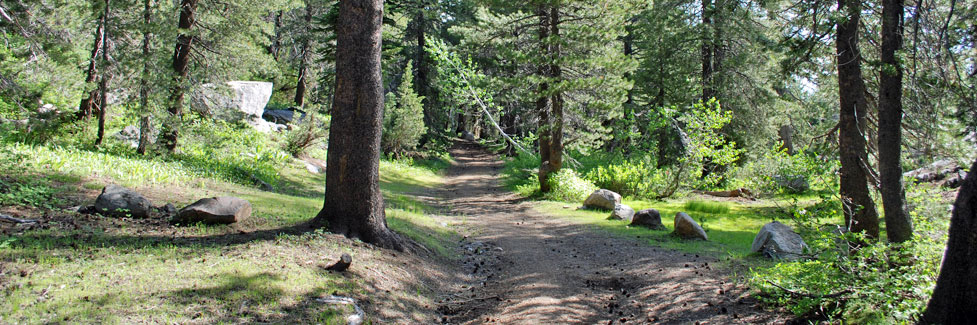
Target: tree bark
x=300 y=89
x=898 y=225
x=543 y=102
x=707 y=51
x=144 y=123
x=87 y=106
x=353 y=203
x=103 y=84
x=859 y=209
x=556 y=100
x=420 y=73
x=276 y=44
x=181 y=64
x=954 y=299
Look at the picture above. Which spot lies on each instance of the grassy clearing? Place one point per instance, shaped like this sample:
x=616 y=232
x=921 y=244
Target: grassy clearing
x=731 y=226
x=79 y=268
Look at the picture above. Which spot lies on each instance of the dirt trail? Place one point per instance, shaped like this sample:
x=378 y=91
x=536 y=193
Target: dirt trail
x=528 y=268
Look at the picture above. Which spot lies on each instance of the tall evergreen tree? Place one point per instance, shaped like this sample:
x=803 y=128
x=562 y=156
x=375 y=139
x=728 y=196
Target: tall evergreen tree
x=898 y=225
x=353 y=202
x=859 y=209
x=181 y=66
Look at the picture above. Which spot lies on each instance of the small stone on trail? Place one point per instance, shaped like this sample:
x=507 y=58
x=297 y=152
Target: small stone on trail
x=687 y=228
x=648 y=218
x=622 y=212
x=215 y=210
x=342 y=264
x=602 y=199
x=118 y=201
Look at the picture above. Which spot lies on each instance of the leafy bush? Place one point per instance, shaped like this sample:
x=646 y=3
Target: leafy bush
x=878 y=283
x=403 y=118
x=761 y=174
x=567 y=186
x=706 y=144
x=309 y=132
x=628 y=178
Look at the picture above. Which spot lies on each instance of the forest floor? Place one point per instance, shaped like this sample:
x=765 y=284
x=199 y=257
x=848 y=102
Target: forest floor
x=525 y=266
x=492 y=256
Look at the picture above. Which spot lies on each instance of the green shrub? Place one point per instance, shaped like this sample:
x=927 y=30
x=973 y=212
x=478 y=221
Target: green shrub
x=403 y=118
x=760 y=174
x=566 y=185
x=309 y=132
x=878 y=283
x=628 y=178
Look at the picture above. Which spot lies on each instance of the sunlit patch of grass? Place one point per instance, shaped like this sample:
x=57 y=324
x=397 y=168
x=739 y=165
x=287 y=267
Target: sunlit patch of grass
x=707 y=206
x=121 y=273
x=730 y=232
x=415 y=220
x=121 y=280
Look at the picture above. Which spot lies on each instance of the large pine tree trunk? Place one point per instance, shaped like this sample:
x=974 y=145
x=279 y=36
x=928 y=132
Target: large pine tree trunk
x=707 y=51
x=300 y=89
x=543 y=102
x=420 y=73
x=103 y=84
x=353 y=203
x=860 y=213
x=954 y=299
x=145 y=127
x=556 y=100
x=87 y=106
x=898 y=225
x=181 y=65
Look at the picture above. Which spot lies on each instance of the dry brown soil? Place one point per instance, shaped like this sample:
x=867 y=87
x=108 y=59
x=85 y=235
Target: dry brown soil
x=524 y=267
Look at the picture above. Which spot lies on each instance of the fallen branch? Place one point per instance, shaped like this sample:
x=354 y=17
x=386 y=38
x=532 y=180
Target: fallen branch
x=7 y=218
x=355 y=319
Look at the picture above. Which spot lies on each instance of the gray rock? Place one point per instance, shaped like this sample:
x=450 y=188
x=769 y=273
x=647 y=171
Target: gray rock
x=215 y=210
x=264 y=126
x=468 y=136
x=602 y=199
x=130 y=135
x=237 y=100
x=622 y=212
x=648 y=218
x=118 y=201
x=687 y=228
x=283 y=116
x=792 y=183
x=47 y=109
x=168 y=209
x=779 y=241
x=936 y=171
x=955 y=179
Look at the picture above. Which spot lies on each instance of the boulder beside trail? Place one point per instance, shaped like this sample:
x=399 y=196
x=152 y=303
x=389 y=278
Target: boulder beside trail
x=236 y=100
x=648 y=218
x=215 y=210
x=778 y=241
x=602 y=199
x=118 y=201
x=622 y=212
x=467 y=136
x=687 y=228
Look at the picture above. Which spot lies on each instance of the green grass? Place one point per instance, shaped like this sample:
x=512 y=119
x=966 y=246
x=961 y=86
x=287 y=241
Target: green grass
x=102 y=270
x=712 y=207
x=731 y=226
